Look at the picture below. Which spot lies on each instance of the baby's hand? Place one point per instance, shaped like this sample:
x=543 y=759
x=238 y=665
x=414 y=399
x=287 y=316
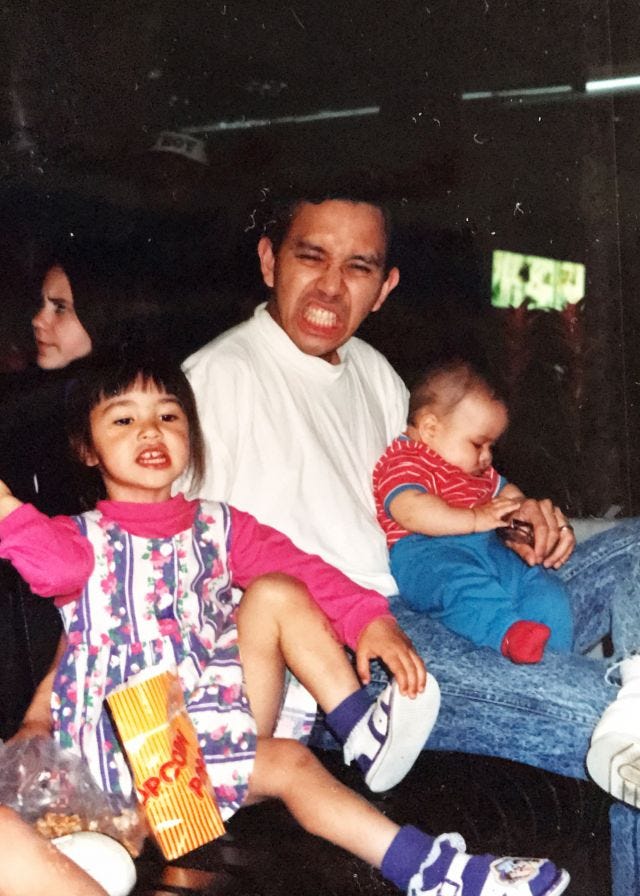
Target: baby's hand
x=494 y=513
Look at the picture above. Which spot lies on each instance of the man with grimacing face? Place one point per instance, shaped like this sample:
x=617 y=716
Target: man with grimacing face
x=328 y=274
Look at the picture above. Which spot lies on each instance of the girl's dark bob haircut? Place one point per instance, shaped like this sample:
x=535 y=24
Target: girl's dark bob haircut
x=105 y=378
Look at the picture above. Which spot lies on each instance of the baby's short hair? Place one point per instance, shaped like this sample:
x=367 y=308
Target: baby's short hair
x=445 y=383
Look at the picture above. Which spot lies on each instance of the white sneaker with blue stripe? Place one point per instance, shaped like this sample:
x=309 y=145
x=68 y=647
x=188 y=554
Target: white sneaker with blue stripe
x=613 y=759
x=388 y=739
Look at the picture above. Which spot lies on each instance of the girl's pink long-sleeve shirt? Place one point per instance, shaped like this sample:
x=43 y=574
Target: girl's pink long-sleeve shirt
x=56 y=560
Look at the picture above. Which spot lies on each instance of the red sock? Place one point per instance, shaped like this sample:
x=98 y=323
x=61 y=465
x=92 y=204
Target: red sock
x=525 y=641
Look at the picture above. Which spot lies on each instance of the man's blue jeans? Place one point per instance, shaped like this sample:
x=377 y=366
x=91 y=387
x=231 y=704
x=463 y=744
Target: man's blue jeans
x=543 y=715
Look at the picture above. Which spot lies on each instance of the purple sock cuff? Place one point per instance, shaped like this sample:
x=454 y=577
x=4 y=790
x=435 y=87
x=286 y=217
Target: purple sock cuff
x=347 y=714
x=408 y=850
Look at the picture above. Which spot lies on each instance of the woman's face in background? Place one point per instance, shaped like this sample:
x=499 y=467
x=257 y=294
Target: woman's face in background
x=59 y=335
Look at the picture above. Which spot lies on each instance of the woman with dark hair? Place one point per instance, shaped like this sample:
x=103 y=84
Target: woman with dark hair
x=85 y=303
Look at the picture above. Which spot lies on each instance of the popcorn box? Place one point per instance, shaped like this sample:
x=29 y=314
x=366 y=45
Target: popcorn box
x=168 y=770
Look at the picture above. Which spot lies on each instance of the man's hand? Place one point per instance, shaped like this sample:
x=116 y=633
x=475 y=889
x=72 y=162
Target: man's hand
x=383 y=639
x=553 y=536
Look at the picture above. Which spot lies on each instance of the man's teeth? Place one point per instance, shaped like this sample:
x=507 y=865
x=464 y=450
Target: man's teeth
x=320 y=317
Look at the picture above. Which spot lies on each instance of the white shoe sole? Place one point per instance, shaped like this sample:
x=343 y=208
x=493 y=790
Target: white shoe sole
x=613 y=762
x=409 y=726
x=104 y=859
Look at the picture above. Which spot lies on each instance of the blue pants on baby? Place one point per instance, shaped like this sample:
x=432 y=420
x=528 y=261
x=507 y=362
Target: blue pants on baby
x=478 y=587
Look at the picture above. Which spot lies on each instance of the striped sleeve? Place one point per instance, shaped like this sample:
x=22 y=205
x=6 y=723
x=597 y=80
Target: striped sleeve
x=404 y=465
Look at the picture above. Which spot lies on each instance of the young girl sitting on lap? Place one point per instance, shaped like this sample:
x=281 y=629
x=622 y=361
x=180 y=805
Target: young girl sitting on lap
x=439 y=501
x=160 y=588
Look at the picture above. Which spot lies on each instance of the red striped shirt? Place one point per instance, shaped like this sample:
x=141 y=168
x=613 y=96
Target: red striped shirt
x=411 y=465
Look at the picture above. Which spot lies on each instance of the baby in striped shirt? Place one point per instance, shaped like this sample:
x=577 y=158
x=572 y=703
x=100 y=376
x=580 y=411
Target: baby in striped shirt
x=442 y=506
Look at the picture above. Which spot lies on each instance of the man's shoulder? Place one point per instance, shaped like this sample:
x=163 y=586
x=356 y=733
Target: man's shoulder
x=373 y=363
x=359 y=348
x=234 y=345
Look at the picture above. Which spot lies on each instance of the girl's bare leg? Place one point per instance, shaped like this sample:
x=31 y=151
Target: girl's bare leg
x=32 y=865
x=287 y=770
x=280 y=626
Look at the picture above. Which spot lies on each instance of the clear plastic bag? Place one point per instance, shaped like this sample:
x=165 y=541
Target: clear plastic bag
x=53 y=790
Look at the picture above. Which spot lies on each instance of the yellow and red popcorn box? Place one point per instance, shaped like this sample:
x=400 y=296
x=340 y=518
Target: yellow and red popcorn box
x=168 y=770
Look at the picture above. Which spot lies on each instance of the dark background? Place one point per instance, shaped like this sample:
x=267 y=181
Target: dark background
x=86 y=89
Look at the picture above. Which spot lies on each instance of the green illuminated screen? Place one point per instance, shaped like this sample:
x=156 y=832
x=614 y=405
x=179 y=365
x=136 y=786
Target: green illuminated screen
x=540 y=284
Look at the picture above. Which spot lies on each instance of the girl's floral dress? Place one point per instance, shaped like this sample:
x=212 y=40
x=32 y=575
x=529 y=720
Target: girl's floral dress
x=149 y=601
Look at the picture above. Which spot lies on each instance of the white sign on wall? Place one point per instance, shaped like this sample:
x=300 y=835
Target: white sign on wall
x=182 y=145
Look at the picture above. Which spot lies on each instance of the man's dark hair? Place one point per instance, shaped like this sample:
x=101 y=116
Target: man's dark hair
x=356 y=190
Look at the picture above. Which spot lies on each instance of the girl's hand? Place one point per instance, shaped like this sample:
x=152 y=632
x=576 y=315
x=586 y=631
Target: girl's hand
x=383 y=639
x=494 y=513
x=7 y=501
